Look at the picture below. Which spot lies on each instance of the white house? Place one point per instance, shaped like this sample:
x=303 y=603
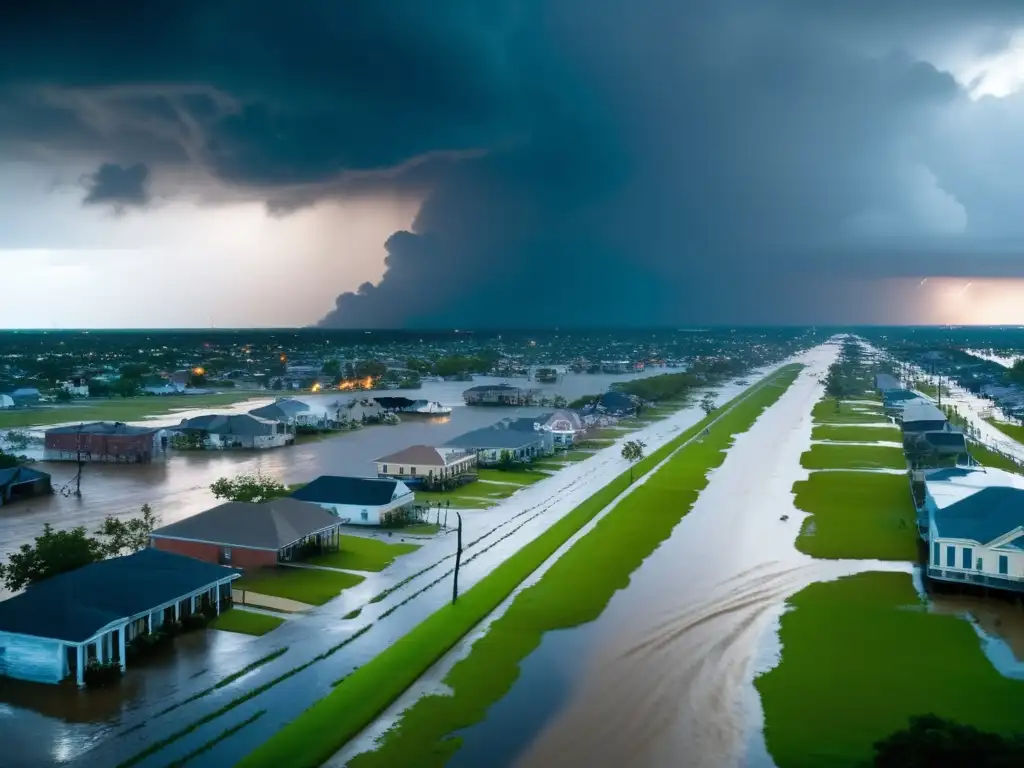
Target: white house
x=360 y=500
x=240 y=430
x=77 y=387
x=426 y=465
x=976 y=527
x=564 y=426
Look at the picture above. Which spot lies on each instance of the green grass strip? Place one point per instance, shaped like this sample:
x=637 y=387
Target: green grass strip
x=825 y=456
x=855 y=434
x=861 y=656
x=574 y=590
x=857 y=515
x=825 y=412
x=360 y=553
x=227 y=680
x=246 y=622
x=226 y=733
x=989 y=458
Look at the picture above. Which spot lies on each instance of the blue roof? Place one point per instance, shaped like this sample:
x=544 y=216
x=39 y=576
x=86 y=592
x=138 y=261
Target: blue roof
x=13 y=475
x=358 y=491
x=983 y=516
x=950 y=473
x=74 y=606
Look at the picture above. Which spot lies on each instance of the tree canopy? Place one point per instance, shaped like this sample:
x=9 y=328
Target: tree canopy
x=931 y=741
x=252 y=487
x=633 y=451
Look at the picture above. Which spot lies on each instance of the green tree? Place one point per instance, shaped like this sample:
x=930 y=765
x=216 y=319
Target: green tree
x=559 y=402
x=123 y=537
x=126 y=387
x=633 y=451
x=332 y=368
x=62 y=395
x=52 y=553
x=253 y=487
x=708 y=404
x=372 y=368
x=933 y=741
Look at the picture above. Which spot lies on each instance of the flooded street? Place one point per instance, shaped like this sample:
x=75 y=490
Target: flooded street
x=177 y=486
x=664 y=676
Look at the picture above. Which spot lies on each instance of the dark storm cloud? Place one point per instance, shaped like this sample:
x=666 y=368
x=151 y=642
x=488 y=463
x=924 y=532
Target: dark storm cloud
x=117 y=186
x=614 y=161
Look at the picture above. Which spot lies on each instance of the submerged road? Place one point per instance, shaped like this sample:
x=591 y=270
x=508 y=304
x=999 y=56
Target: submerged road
x=493 y=536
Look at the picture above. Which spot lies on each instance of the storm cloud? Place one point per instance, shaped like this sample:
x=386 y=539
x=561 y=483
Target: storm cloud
x=580 y=162
x=117 y=186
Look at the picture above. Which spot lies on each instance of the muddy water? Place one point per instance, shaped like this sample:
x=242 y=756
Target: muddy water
x=177 y=486
x=664 y=676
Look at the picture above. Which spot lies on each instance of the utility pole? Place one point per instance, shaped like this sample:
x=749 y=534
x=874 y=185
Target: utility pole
x=458 y=561
x=78 y=477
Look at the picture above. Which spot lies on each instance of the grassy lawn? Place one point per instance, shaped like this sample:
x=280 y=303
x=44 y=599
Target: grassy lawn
x=570 y=456
x=246 y=622
x=307 y=585
x=574 y=590
x=550 y=466
x=855 y=434
x=1014 y=431
x=825 y=413
x=518 y=476
x=860 y=656
x=119 y=409
x=822 y=456
x=470 y=490
x=420 y=529
x=857 y=515
x=988 y=458
x=359 y=553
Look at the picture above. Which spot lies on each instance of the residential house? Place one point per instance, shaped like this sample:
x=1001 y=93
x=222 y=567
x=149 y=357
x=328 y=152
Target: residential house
x=6 y=401
x=491 y=444
x=26 y=396
x=531 y=424
x=937 y=449
x=976 y=527
x=360 y=500
x=564 y=426
x=922 y=416
x=292 y=413
x=500 y=394
x=359 y=411
x=22 y=483
x=103 y=441
x=610 y=407
x=885 y=382
x=55 y=627
x=893 y=401
x=246 y=535
x=76 y=387
x=426 y=466
x=242 y=430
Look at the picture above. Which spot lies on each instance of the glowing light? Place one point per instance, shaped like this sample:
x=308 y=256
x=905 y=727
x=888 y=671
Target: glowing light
x=980 y=301
x=199 y=371
x=316 y=386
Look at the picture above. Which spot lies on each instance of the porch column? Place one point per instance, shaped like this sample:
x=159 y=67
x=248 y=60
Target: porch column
x=120 y=645
x=177 y=610
x=80 y=665
x=216 y=599
x=149 y=622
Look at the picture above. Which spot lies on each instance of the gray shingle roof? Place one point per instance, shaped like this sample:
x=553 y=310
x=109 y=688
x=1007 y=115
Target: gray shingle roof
x=921 y=411
x=424 y=455
x=103 y=428
x=271 y=525
x=490 y=438
x=13 y=475
x=73 y=606
x=358 y=491
x=234 y=424
x=983 y=516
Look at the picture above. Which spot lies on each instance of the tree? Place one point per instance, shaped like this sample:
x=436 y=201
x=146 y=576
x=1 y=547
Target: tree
x=277 y=385
x=123 y=537
x=253 y=487
x=126 y=387
x=62 y=395
x=559 y=402
x=8 y=460
x=930 y=741
x=332 y=368
x=53 y=552
x=633 y=451
x=708 y=404
x=350 y=371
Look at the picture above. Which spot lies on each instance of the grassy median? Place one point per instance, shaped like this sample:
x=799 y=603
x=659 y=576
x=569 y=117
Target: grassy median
x=305 y=585
x=861 y=656
x=246 y=622
x=574 y=590
x=855 y=434
x=825 y=456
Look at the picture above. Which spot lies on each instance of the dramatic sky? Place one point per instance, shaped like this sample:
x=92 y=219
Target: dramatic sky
x=473 y=163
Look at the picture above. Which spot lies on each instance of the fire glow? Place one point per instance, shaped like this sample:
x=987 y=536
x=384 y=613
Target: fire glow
x=347 y=385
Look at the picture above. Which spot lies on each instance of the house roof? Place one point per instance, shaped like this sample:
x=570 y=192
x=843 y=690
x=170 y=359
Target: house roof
x=493 y=388
x=423 y=455
x=103 y=428
x=234 y=424
x=271 y=525
x=25 y=392
x=489 y=437
x=13 y=475
x=393 y=402
x=946 y=442
x=896 y=396
x=981 y=517
x=280 y=410
x=74 y=606
x=915 y=411
x=954 y=484
x=885 y=382
x=357 y=491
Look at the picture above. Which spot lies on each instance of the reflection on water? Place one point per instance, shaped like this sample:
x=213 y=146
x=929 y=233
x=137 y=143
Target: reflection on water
x=999 y=622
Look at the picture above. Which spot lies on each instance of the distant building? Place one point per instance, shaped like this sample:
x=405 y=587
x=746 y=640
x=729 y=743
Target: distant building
x=247 y=535
x=922 y=416
x=103 y=441
x=976 y=527
x=6 y=401
x=285 y=410
x=360 y=500
x=243 y=430
x=26 y=396
x=491 y=444
x=885 y=382
x=76 y=387
x=425 y=465
x=22 y=483
x=500 y=394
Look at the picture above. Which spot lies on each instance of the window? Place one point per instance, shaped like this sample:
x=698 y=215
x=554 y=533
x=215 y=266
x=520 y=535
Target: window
x=226 y=554
x=401 y=470
x=967 y=557
x=936 y=554
x=364 y=515
x=384 y=469
x=412 y=470
x=1004 y=565
x=951 y=557
x=981 y=567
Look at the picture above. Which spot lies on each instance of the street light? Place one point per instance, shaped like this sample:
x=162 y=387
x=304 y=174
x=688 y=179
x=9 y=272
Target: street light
x=458 y=561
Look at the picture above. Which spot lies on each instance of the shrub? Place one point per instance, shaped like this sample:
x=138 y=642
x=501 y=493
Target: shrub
x=194 y=621
x=98 y=674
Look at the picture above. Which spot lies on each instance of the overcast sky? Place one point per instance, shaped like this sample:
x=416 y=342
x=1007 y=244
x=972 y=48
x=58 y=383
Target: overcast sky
x=479 y=163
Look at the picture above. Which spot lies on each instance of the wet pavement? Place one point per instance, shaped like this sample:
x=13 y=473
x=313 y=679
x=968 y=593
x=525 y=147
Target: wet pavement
x=493 y=535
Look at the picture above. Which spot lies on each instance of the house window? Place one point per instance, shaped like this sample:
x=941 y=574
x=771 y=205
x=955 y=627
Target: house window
x=1004 y=565
x=936 y=556
x=412 y=470
x=951 y=557
x=967 y=557
x=981 y=567
x=364 y=515
x=384 y=469
x=401 y=470
x=225 y=555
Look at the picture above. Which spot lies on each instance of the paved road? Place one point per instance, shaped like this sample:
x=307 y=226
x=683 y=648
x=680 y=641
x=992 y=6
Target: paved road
x=493 y=536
